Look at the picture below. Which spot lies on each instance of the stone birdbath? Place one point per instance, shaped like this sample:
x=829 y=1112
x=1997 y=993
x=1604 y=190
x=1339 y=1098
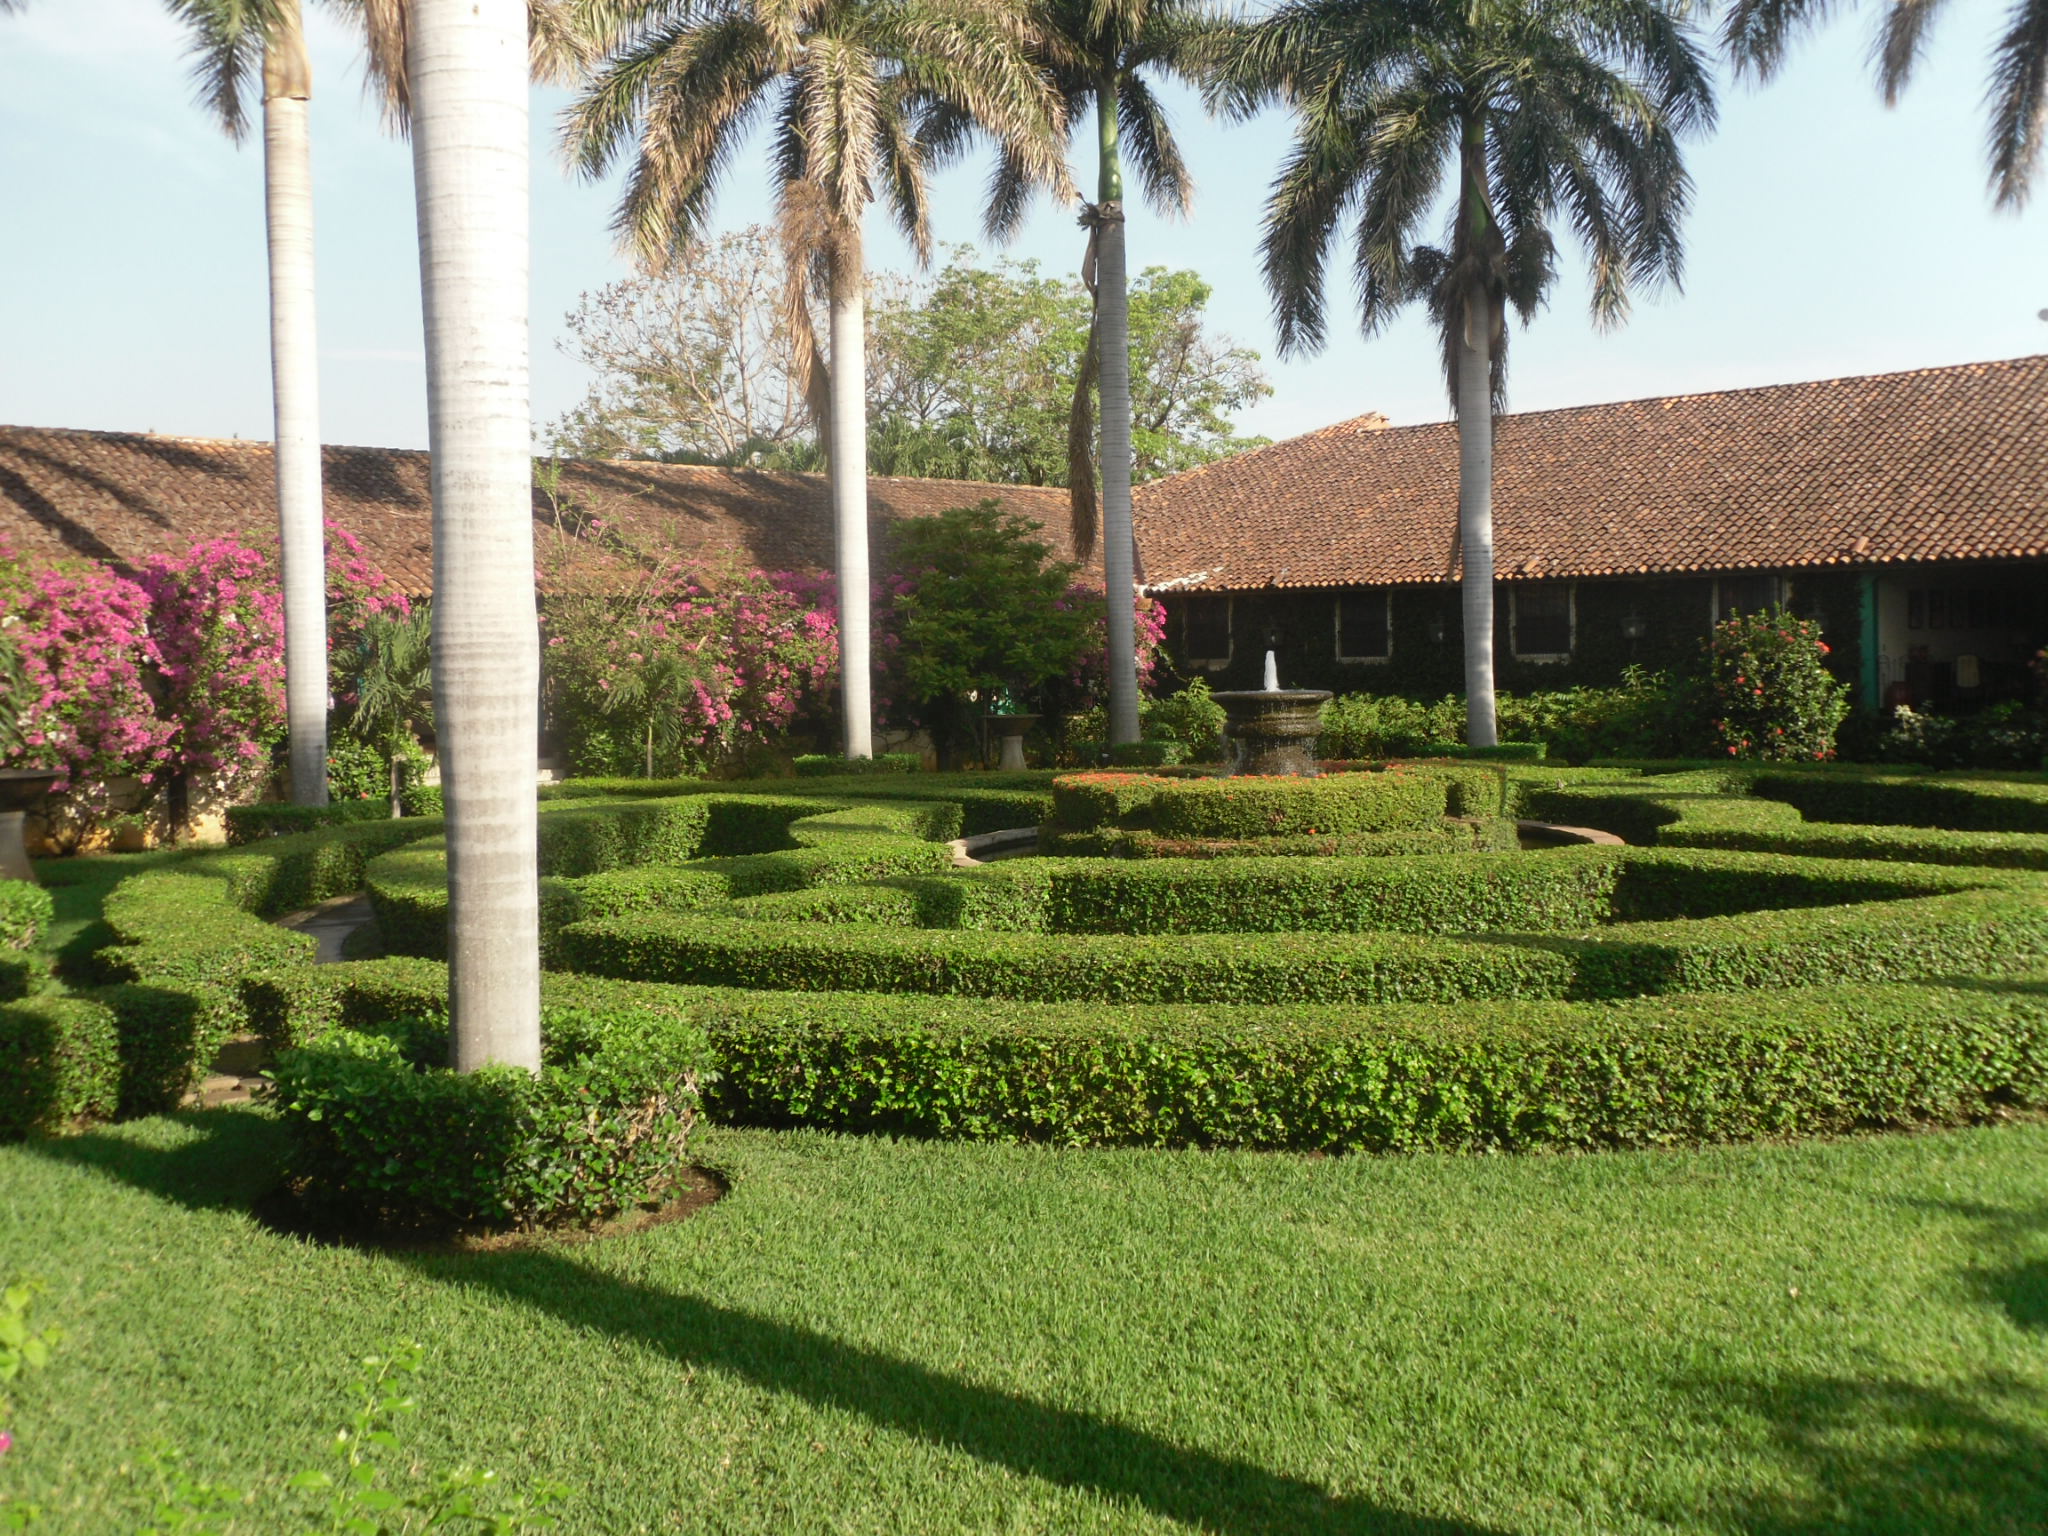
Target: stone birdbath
x=1011 y=729
x=1275 y=728
x=21 y=791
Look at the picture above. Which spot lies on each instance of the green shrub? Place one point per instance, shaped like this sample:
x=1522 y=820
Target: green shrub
x=251 y=823
x=1500 y=752
x=1367 y=727
x=1958 y=805
x=1768 y=691
x=25 y=911
x=383 y=1130
x=819 y=765
x=1500 y=1076
x=1245 y=806
x=59 y=1064
x=1906 y=922
x=1507 y=1075
x=169 y=1032
x=1147 y=754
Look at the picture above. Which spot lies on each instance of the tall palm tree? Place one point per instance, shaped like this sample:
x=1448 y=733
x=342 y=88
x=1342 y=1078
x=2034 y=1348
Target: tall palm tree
x=229 y=37
x=1757 y=31
x=851 y=81
x=1536 y=110
x=1098 y=54
x=466 y=78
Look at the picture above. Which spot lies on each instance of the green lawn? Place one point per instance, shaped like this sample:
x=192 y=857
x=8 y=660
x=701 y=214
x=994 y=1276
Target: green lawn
x=868 y=1336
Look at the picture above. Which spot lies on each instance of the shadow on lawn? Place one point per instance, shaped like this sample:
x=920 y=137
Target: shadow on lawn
x=237 y=1158
x=1887 y=1458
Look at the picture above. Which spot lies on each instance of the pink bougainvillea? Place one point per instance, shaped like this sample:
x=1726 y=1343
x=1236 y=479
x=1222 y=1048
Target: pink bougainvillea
x=217 y=623
x=688 y=669
x=82 y=639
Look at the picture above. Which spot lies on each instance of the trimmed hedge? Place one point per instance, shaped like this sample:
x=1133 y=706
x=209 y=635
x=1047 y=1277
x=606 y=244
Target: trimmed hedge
x=189 y=936
x=25 y=911
x=60 y=1063
x=1955 y=805
x=633 y=857
x=819 y=765
x=1490 y=1076
x=1960 y=930
x=382 y=1129
x=252 y=823
x=1241 y=807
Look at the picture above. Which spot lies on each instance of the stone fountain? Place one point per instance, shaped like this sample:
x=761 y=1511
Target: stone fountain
x=1275 y=728
x=21 y=790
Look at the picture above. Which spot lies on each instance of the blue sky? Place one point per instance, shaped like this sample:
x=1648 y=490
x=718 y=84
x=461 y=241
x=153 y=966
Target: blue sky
x=1829 y=236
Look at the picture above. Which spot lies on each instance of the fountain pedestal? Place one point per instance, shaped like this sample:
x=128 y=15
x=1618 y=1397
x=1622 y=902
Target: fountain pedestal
x=1012 y=728
x=21 y=791
x=1275 y=729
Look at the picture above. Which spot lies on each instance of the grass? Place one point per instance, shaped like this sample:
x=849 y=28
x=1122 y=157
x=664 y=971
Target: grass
x=875 y=1336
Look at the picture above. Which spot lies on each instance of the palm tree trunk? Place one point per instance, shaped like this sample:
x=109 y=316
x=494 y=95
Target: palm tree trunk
x=1475 y=512
x=468 y=69
x=1112 y=294
x=849 y=466
x=295 y=395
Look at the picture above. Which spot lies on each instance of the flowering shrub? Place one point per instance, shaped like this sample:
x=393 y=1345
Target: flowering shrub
x=217 y=620
x=1769 y=692
x=691 y=668
x=80 y=639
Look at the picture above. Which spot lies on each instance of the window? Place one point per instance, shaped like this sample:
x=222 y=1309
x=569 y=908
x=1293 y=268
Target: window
x=1750 y=593
x=1364 y=626
x=1542 y=621
x=1205 y=627
x=1965 y=608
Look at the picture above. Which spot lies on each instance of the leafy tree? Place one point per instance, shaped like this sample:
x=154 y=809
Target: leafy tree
x=1099 y=54
x=973 y=378
x=852 y=83
x=978 y=607
x=1757 y=31
x=694 y=361
x=1537 y=111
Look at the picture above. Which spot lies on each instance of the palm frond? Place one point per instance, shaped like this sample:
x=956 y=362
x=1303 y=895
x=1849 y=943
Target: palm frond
x=1147 y=139
x=1757 y=33
x=2018 y=99
x=228 y=38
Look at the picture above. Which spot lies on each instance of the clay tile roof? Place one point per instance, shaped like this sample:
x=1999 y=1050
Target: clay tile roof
x=1934 y=464
x=117 y=497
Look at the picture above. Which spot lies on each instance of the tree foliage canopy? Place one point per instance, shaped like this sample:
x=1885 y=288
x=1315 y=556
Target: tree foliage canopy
x=970 y=374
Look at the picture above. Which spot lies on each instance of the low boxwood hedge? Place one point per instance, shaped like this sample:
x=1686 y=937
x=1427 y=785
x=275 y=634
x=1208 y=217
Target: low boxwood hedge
x=621 y=858
x=252 y=823
x=820 y=765
x=1957 y=931
x=25 y=912
x=1505 y=1075
x=381 y=1128
x=60 y=1063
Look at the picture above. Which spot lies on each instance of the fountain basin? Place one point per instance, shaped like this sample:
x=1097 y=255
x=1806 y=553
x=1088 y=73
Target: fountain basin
x=1275 y=729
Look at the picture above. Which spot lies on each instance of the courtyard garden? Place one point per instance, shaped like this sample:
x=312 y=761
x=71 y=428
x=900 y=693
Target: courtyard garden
x=1031 y=1194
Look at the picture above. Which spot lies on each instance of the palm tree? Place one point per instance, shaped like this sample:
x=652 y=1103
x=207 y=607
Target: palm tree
x=394 y=688
x=228 y=38
x=466 y=76
x=851 y=81
x=1538 y=110
x=1098 y=54
x=1756 y=32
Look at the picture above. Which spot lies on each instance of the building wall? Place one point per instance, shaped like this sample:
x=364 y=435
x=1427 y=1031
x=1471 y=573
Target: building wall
x=1671 y=617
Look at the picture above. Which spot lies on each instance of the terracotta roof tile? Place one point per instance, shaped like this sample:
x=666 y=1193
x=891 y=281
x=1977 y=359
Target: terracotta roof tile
x=1934 y=464
x=117 y=497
